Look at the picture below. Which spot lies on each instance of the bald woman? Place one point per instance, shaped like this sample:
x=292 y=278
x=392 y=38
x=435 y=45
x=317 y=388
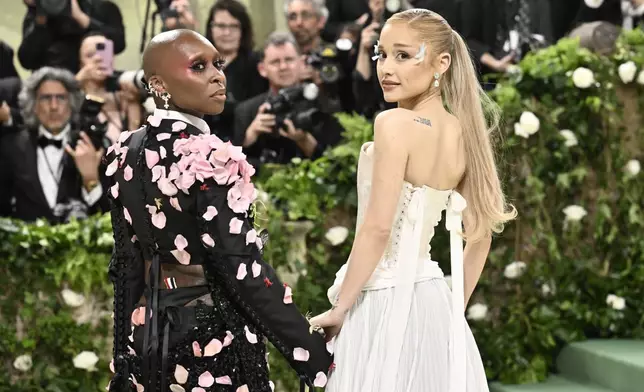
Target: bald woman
x=194 y=300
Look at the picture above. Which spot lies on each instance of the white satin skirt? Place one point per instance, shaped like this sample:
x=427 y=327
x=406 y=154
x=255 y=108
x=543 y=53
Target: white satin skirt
x=425 y=358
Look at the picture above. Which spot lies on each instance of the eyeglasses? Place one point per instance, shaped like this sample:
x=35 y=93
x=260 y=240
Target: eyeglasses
x=233 y=27
x=305 y=15
x=48 y=98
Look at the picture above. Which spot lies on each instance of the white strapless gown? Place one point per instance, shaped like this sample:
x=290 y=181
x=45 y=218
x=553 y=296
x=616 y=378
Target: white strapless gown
x=405 y=334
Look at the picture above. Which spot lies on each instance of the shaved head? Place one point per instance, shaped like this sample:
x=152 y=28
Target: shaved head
x=186 y=66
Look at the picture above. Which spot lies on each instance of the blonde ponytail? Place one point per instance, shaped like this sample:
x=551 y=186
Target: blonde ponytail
x=487 y=209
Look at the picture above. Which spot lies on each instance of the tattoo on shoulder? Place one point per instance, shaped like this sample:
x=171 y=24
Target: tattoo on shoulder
x=423 y=121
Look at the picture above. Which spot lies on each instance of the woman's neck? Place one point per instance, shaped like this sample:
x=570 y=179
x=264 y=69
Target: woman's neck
x=431 y=102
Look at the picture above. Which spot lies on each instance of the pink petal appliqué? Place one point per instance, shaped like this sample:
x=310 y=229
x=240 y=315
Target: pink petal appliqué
x=241 y=271
x=288 y=295
x=198 y=389
x=224 y=380
x=162 y=152
x=159 y=220
x=151 y=158
x=235 y=226
x=177 y=388
x=300 y=354
x=111 y=168
x=196 y=349
x=127 y=216
x=174 y=202
x=167 y=187
x=180 y=374
x=206 y=379
x=128 y=173
x=329 y=346
x=251 y=236
x=228 y=339
x=320 y=380
x=124 y=136
x=180 y=242
x=213 y=348
x=243 y=388
x=174 y=172
x=114 y=190
x=256 y=268
x=210 y=213
x=138 y=316
x=182 y=256
x=178 y=126
x=157 y=172
x=155 y=121
x=207 y=240
x=133 y=239
x=251 y=337
x=163 y=136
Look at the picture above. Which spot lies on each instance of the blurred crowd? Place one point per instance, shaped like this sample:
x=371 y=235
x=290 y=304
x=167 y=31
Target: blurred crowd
x=56 y=124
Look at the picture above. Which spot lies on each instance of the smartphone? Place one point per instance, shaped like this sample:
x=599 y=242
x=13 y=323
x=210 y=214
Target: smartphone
x=105 y=50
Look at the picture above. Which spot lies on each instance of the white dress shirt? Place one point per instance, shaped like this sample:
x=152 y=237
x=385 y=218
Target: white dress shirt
x=50 y=169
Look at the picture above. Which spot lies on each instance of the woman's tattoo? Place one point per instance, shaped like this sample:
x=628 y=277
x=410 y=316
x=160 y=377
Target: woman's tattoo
x=423 y=121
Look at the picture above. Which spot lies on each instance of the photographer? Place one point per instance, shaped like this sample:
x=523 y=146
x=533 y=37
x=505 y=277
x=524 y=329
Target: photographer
x=51 y=34
x=257 y=126
x=53 y=167
x=176 y=14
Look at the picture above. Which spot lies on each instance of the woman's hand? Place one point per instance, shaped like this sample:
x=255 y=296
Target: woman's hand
x=331 y=321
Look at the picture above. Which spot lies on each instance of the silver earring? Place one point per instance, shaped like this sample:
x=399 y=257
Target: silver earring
x=436 y=76
x=166 y=97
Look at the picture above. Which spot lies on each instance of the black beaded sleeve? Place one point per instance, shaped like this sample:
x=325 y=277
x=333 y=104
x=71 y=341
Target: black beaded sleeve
x=127 y=273
x=253 y=285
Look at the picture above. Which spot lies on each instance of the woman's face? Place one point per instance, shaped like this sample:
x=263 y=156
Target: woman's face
x=226 y=32
x=191 y=72
x=403 y=67
x=88 y=55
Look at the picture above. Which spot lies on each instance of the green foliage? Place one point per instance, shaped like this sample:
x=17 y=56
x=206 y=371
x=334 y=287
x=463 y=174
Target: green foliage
x=572 y=268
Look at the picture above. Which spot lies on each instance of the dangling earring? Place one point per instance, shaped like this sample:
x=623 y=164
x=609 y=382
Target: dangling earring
x=166 y=97
x=152 y=90
x=436 y=76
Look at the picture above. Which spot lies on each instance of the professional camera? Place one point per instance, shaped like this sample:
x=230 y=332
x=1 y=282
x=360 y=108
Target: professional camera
x=328 y=62
x=164 y=10
x=90 y=124
x=58 y=7
x=297 y=103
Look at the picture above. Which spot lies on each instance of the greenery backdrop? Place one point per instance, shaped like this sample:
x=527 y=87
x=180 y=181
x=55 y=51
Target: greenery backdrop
x=568 y=269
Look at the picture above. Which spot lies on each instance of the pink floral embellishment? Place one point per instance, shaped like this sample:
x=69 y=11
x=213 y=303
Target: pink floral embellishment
x=178 y=126
x=228 y=339
x=329 y=346
x=206 y=379
x=157 y=172
x=288 y=294
x=124 y=136
x=235 y=226
x=182 y=256
x=128 y=173
x=185 y=181
x=256 y=268
x=251 y=337
x=163 y=136
x=158 y=218
x=134 y=239
x=251 y=236
x=207 y=240
x=202 y=169
x=167 y=187
x=224 y=380
x=174 y=202
x=320 y=380
x=243 y=388
x=112 y=167
x=241 y=196
x=163 y=152
x=198 y=389
x=138 y=316
x=181 y=374
x=174 y=172
x=196 y=349
x=155 y=121
x=300 y=354
x=177 y=388
x=210 y=213
x=180 y=242
x=139 y=387
x=127 y=216
x=151 y=158
x=114 y=190
x=213 y=348
x=241 y=271
x=259 y=243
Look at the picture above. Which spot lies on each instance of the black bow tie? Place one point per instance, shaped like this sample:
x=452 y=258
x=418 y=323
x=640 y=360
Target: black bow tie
x=44 y=141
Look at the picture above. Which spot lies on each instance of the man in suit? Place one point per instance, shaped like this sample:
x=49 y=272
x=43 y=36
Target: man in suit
x=282 y=65
x=45 y=177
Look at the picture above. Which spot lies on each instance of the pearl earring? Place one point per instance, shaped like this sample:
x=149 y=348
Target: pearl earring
x=436 y=76
x=166 y=97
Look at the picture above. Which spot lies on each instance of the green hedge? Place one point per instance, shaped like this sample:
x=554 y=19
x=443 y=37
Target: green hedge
x=556 y=275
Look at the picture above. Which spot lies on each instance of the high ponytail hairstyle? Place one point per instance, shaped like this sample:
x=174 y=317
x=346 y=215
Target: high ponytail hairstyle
x=478 y=115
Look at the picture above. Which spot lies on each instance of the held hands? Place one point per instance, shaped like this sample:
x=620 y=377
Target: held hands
x=331 y=322
x=86 y=157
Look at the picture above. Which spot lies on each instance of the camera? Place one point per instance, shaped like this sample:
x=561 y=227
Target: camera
x=90 y=124
x=297 y=103
x=327 y=62
x=164 y=10
x=58 y=7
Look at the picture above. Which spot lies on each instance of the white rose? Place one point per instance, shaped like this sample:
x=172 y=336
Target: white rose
x=514 y=269
x=529 y=122
x=569 y=136
x=574 y=213
x=633 y=167
x=616 y=302
x=23 y=362
x=640 y=77
x=627 y=71
x=583 y=77
x=477 y=312
x=337 y=235
x=86 y=360
x=519 y=131
x=72 y=298
x=593 y=3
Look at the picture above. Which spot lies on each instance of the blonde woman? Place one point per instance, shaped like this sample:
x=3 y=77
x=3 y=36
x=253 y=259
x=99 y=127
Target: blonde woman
x=398 y=325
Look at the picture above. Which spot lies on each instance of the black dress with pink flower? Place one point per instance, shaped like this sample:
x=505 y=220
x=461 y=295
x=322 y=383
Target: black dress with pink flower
x=194 y=301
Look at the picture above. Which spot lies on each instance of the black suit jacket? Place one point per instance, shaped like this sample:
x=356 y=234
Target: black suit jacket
x=20 y=181
x=7 y=68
